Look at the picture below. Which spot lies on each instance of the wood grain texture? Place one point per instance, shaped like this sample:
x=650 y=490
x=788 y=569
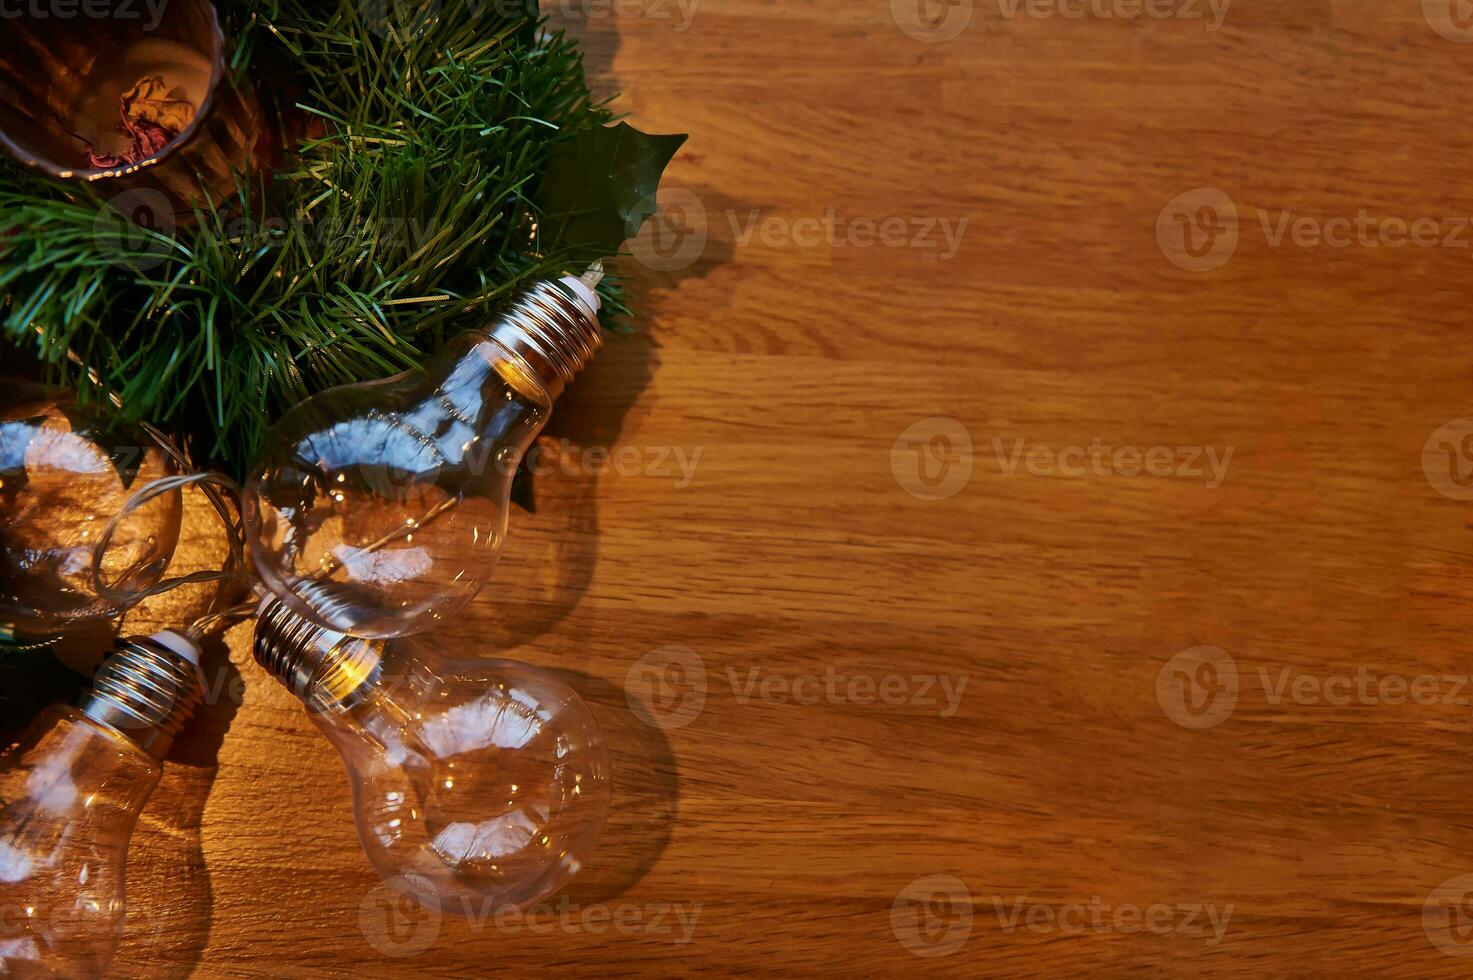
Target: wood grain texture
x=790 y=832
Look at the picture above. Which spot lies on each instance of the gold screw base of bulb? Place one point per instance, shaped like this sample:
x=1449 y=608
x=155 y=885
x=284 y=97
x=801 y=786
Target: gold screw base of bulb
x=552 y=330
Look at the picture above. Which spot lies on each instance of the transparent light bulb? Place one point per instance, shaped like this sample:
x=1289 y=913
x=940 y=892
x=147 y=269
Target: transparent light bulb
x=380 y=509
x=477 y=785
x=70 y=795
x=66 y=471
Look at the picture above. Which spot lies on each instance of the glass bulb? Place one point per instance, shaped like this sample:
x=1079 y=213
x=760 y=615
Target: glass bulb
x=77 y=792
x=477 y=785
x=66 y=471
x=379 y=509
x=70 y=795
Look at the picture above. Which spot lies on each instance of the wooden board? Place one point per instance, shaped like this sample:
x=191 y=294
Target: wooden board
x=1188 y=732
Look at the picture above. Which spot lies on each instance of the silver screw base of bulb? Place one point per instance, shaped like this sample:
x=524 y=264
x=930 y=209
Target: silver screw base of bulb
x=146 y=692
x=554 y=331
x=324 y=668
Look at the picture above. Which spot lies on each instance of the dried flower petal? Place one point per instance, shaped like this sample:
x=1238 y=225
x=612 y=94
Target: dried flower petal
x=151 y=117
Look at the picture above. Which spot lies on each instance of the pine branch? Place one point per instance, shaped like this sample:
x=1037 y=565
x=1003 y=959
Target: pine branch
x=407 y=217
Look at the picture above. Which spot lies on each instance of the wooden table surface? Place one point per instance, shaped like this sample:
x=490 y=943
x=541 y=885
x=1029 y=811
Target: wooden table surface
x=1079 y=588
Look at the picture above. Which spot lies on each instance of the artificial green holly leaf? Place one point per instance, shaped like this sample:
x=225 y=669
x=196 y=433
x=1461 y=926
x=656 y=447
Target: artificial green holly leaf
x=599 y=187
